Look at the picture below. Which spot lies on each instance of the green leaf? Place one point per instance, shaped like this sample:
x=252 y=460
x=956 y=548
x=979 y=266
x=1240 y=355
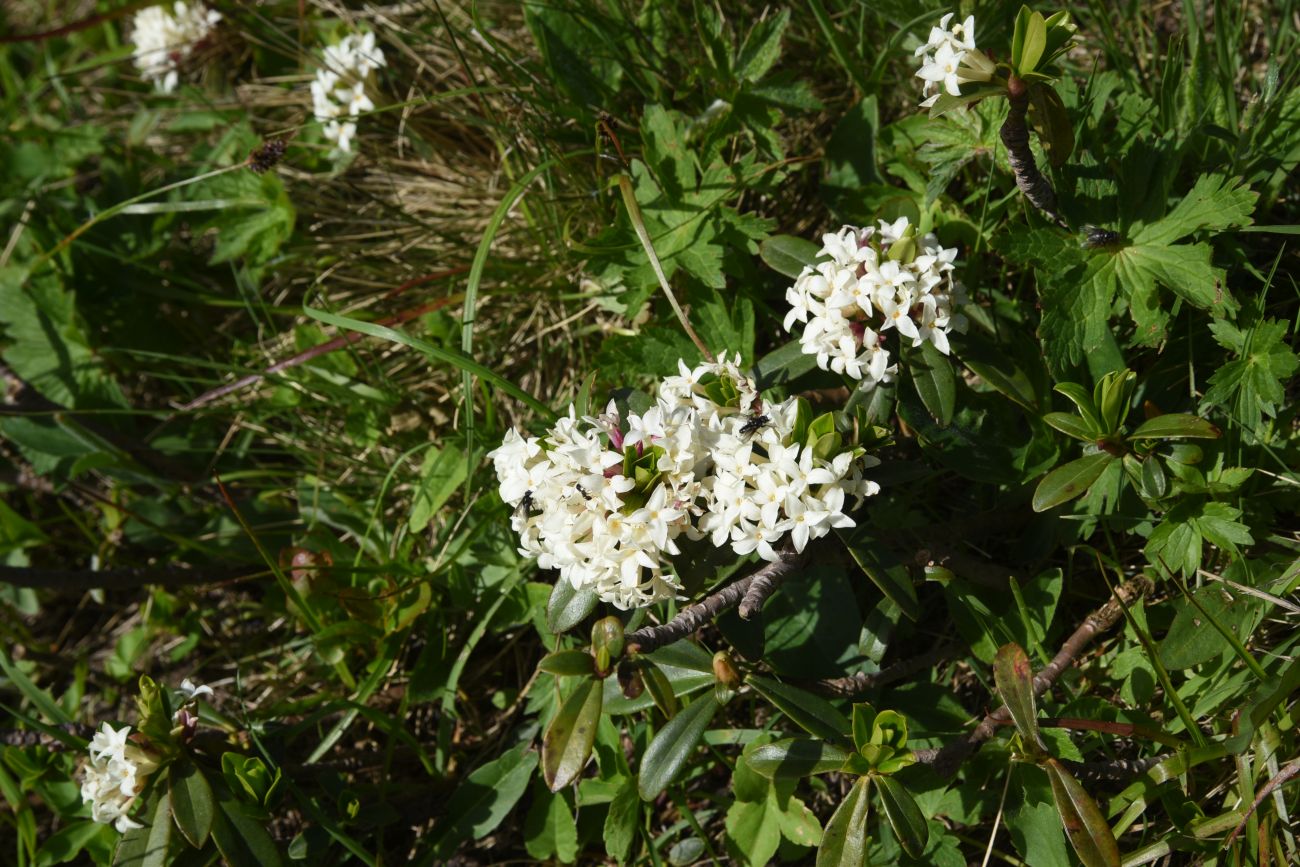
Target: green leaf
x=1254 y=384
x=755 y=827
x=1215 y=202
x=1035 y=41
x=1175 y=425
x=781 y=365
x=549 y=828
x=1051 y=121
x=147 y=846
x=667 y=754
x=1175 y=544
x=443 y=471
x=1072 y=426
x=46 y=343
x=796 y=757
x=622 y=821
x=892 y=578
x=568 y=607
x=844 y=841
x=1015 y=682
x=1192 y=641
x=1082 y=400
x=192 y=802
x=1084 y=823
x=577 y=56
x=788 y=255
x=482 y=800
x=241 y=838
x=1069 y=481
x=568 y=663
x=566 y=747
x=762 y=47
x=812 y=713
x=934 y=381
x=905 y=818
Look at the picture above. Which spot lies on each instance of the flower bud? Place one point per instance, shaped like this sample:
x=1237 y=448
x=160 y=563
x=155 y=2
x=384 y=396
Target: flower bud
x=904 y=249
x=723 y=670
x=606 y=643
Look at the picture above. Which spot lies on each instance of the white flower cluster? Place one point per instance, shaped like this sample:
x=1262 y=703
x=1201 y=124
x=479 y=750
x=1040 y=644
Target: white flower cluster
x=871 y=282
x=951 y=59
x=605 y=500
x=339 y=92
x=164 y=38
x=117 y=769
x=115 y=776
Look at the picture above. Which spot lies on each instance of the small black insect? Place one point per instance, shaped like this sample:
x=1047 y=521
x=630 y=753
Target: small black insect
x=581 y=490
x=526 y=503
x=1095 y=237
x=755 y=422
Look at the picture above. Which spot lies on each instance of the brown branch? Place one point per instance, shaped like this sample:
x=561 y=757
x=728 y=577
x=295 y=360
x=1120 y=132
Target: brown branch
x=1113 y=769
x=124 y=578
x=692 y=617
x=1015 y=135
x=762 y=585
x=855 y=685
x=948 y=758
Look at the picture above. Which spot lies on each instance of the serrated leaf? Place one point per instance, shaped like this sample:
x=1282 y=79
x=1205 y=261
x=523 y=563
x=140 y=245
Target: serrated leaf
x=1175 y=544
x=762 y=47
x=1253 y=385
x=673 y=745
x=569 y=738
x=1069 y=481
x=193 y=806
x=844 y=840
x=796 y=757
x=1214 y=202
x=568 y=607
x=1085 y=826
x=904 y=816
x=812 y=713
x=1175 y=425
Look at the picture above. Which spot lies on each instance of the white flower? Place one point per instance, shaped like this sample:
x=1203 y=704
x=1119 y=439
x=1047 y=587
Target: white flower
x=192 y=692
x=164 y=38
x=339 y=93
x=950 y=59
x=114 y=776
x=713 y=462
x=847 y=303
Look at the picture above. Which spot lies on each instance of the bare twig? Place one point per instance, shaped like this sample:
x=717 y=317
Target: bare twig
x=946 y=759
x=855 y=685
x=1114 y=769
x=691 y=618
x=125 y=578
x=1015 y=135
